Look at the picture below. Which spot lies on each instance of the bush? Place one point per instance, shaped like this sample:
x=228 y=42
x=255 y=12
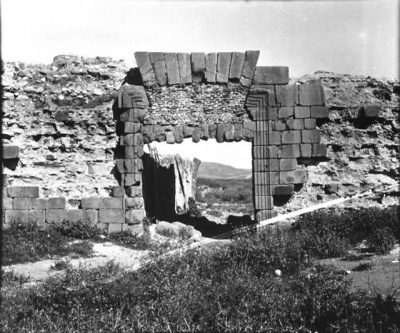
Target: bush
x=331 y=232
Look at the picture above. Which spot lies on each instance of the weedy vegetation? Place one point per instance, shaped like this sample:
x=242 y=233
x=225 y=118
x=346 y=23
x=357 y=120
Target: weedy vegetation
x=231 y=288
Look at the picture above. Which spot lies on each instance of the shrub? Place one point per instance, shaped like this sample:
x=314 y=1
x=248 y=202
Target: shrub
x=80 y=230
x=331 y=232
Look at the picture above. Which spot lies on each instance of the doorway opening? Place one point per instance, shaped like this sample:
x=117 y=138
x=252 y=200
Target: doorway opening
x=222 y=196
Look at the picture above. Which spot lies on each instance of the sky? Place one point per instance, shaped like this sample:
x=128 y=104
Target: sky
x=354 y=37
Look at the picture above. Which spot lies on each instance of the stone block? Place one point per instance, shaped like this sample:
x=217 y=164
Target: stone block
x=134 y=229
x=370 y=111
x=132 y=97
x=289 y=151
x=145 y=68
x=305 y=150
x=22 y=203
x=76 y=215
x=131 y=179
x=267 y=138
x=204 y=133
x=148 y=133
x=196 y=134
x=263 y=165
x=92 y=216
x=295 y=124
x=92 y=203
x=10 y=152
x=23 y=191
x=118 y=191
x=211 y=67
x=131 y=127
x=89 y=216
x=7 y=203
x=185 y=72
x=111 y=216
x=293 y=177
x=134 y=203
x=4 y=180
x=229 y=132
x=198 y=62
x=223 y=65
x=260 y=96
x=16 y=216
x=178 y=133
x=310 y=123
x=261 y=152
x=286 y=95
x=302 y=112
x=287 y=164
x=285 y=112
x=310 y=136
x=263 y=202
x=291 y=137
x=114 y=228
x=282 y=189
x=319 y=112
x=134 y=191
x=249 y=67
x=238 y=132
x=187 y=131
x=37 y=217
x=311 y=94
x=266 y=178
x=56 y=216
x=171 y=63
x=271 y=75
x=278 y=125
x=262 y=190
x=134 y=216
x=220 y=136
x=37 y=203
x=170 y=137
x=212 y=131
x=159 y=68
x=236 y=67
x=113 y=203
x=57 y=203
x=263 y=215
x=319 y=150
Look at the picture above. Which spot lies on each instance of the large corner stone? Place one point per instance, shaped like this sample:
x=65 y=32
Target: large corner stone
x=159 y=68
x=145 y=68
x=311 y=94
x=271 y=75
x=250 y=64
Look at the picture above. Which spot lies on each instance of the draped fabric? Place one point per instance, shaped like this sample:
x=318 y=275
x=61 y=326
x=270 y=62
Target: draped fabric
x=168 y=183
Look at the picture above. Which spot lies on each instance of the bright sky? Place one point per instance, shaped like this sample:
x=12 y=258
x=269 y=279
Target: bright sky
x=356 y=37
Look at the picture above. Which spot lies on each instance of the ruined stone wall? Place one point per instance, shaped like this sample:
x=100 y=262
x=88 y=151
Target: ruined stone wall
x=227 y=98
x=80 y=135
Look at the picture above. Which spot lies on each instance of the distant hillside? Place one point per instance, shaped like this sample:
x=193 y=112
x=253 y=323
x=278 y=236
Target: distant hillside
x=211 y=170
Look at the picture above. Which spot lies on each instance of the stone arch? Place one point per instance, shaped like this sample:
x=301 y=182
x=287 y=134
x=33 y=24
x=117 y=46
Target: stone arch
x=227 y=97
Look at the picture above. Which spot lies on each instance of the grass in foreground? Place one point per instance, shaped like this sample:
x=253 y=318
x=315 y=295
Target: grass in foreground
x=236 y=288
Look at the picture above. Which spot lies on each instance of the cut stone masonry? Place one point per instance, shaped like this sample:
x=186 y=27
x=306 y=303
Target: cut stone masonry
x=222 y=96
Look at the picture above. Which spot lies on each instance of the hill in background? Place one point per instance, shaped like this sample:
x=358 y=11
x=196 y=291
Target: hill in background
x=212 y=170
